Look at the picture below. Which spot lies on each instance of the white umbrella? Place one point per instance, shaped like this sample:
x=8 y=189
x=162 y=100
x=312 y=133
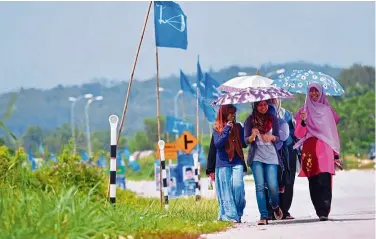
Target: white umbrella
x=245 y=81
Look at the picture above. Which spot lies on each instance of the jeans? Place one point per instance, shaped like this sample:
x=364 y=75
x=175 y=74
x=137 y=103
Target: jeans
x=229 y=185
x=265 y=173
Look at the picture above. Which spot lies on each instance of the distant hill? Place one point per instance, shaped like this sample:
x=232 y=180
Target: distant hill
x=51 y=108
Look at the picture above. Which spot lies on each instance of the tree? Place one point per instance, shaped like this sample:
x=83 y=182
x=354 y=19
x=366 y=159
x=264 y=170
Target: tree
x=151 y=128
x=7 y=113
x=140 y=141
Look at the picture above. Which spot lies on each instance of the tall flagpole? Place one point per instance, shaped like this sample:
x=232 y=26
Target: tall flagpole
x=130 y=83
x=159 y=126
x=197 y=113
x=132 y=74
x=197 y=164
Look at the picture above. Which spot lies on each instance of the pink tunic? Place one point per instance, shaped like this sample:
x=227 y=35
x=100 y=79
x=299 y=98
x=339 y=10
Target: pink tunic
x=324 y=155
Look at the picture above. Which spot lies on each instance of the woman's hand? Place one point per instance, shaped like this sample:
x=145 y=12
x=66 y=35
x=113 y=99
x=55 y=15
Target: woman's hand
x=212 y=176
x=268 y=138
x=255 y=132
x=303 y=115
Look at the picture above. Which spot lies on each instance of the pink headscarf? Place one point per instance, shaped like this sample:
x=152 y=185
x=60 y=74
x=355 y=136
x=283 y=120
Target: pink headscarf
x=321 y=120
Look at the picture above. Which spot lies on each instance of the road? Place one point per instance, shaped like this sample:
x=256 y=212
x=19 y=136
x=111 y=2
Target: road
x=352 y=214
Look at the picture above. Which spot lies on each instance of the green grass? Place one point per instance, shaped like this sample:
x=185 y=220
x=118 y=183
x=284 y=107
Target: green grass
x=26 y=213
x=351 y=162
x=69 y=201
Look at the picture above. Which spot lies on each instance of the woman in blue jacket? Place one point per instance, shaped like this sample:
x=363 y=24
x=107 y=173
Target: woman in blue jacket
x=229 y=142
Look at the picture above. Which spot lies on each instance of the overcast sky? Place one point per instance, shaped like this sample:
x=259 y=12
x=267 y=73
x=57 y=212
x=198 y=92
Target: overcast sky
x=43 y=44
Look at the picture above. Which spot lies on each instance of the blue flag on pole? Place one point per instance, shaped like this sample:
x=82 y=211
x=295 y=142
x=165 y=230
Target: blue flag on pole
x=84 y=156
x=126 y=154
x=41 y=150
x=101 y=162
x=211 y=86
x=209 y=112
x=119 y=160
x=170 y=24
x=200 y=80
x=185 y=85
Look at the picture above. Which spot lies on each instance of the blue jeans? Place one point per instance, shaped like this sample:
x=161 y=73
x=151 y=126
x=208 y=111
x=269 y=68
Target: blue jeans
x=230 y=192
x=265 y=173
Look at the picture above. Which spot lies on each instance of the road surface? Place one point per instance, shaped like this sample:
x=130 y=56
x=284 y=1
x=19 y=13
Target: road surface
x=352 y=214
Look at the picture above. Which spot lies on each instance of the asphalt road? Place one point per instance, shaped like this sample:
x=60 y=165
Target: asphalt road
x=352 y=214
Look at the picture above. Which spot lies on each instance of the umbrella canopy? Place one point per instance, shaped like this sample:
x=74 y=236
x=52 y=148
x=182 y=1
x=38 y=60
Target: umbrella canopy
x=243 y=82
x=250 y=95
x=297 y=81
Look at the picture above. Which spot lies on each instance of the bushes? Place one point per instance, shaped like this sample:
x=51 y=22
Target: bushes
x=69 y=200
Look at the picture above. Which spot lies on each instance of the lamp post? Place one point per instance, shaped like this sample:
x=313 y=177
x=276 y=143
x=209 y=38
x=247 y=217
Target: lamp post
x=176 y=102
x=74 y=100
x=90 y=99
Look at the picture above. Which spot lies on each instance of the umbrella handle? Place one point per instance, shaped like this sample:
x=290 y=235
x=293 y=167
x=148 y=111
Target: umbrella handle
x=305 y=105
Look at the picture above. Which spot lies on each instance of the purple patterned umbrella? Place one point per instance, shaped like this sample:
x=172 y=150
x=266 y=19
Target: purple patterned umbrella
x=250 y=95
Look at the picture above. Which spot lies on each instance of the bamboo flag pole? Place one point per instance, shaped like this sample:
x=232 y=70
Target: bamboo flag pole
x=197 y=114
x=198 y=197
x=159 y=126
x=130 y=84
x=132 y=74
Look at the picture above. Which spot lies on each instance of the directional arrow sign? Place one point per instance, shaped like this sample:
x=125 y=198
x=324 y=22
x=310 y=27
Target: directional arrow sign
x=186 y=142
x=170 y=151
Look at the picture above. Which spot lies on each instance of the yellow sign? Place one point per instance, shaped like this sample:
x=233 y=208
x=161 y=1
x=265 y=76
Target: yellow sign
x=169 y=150
x=186 y=142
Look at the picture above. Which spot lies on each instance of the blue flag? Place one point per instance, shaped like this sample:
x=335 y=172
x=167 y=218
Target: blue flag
x=32 y=159
x=170 y=25
x=200 y=80
x=119 y=160
x=84 y=156
x=126 y=154
x=185 y=85
x=209 y=112
x=134 y=165
x=201 y=154
x=41 y=150
x=211 y=86
x=101 y=162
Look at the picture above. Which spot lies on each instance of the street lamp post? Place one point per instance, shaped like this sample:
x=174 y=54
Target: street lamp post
x=176 y=102
x=90 y=99
x=73 y=100
x=161 y=89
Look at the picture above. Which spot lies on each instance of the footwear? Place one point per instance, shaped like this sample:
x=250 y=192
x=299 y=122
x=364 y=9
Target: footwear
x=262 y=222
x=278 y=214
x=288 y=217
x=323 y=218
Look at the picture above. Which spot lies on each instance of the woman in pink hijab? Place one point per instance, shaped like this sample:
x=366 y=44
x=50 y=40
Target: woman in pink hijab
x=316 y=127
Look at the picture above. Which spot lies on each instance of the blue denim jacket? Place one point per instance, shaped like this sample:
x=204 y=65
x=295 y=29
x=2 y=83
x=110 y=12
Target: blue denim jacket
x=253 y=146
x=220 y=140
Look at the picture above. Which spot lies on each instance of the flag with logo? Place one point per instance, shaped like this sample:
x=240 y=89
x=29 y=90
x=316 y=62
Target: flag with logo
x=170 y=24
